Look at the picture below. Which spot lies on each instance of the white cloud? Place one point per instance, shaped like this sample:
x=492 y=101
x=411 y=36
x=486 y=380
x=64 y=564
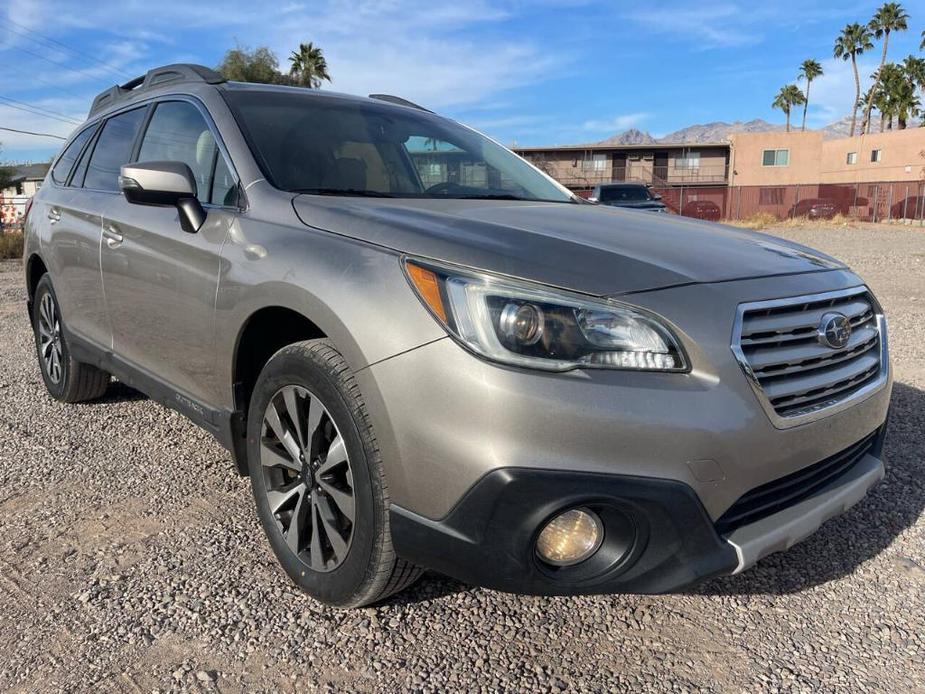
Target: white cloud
x=831 y=96
x=615 y=124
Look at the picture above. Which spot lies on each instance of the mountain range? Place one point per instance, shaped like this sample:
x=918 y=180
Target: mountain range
x=720 y=131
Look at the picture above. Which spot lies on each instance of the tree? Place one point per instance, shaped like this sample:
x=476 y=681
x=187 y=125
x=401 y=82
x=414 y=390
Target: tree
x=260 y=65
x=788 y=97
x=6 y=175
x=809 y=70
x=852 y=42
x=890 y=17
x=308 y=66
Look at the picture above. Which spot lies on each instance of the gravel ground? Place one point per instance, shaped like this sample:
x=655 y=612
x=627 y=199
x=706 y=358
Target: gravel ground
x=131 y=559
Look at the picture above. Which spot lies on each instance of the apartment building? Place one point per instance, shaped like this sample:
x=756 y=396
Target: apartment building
x=581 y=167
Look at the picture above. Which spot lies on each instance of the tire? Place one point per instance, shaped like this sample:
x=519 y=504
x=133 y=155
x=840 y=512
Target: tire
x=66 y=379
x=319 y=487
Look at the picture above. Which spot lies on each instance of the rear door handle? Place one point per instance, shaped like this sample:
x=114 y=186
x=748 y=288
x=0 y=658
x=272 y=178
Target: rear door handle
x=112 y=236
x=54 y=215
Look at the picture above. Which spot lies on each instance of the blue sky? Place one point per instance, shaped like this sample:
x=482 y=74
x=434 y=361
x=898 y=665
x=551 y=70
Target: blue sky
x=540 y=72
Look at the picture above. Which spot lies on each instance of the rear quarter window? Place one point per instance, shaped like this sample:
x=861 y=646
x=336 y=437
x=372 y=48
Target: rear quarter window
x=66 y=161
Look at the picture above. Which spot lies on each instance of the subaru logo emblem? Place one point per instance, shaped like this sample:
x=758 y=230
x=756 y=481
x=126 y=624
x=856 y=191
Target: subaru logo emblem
x=834 y=330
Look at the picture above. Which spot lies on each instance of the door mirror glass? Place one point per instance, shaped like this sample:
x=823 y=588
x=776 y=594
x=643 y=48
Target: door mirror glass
x=164 y=183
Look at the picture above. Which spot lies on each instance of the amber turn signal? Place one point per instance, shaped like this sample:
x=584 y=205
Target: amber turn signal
x=428 y=287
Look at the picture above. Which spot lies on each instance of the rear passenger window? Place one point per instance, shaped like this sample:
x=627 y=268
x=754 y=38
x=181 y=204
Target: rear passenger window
x=66 y=161
x=178 y=132
x=113 y=149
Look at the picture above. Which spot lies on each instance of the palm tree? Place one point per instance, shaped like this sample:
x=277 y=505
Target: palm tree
x=852 y=42
x=914 y=69
x=309 y=67
x=809 y=70
x=890 y=17
x=788 y=97
x=922 y=45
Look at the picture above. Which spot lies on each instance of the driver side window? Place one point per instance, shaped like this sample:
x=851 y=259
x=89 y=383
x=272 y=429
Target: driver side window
x=178 y=132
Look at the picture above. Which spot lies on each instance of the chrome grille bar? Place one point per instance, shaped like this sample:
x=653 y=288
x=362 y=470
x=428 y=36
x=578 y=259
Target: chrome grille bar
x=795 y=374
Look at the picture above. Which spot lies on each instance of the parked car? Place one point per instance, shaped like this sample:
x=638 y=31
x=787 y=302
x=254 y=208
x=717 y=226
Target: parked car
x=702 y=209
x=817 y=208
x=912 y=207
x=478 y=374
x=636 y=196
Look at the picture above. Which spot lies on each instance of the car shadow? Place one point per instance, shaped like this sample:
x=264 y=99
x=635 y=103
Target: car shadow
x=842 y=544
x=431 y=586
x=119 y=392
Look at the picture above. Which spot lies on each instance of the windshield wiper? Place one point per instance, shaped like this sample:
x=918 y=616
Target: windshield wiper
x=354 y=192
x=482 y=196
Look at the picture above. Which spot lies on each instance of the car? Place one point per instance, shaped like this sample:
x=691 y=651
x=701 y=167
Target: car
x=702 y=209
x=635 y=196
x=427 y=354
x=818 y=208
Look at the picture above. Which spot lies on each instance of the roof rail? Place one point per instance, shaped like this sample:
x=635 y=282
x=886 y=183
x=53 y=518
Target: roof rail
x=398 y=100
x=178 y=72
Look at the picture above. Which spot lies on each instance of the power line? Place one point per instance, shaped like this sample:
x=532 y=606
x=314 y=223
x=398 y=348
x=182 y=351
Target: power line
x=29 y=132
x=44 y=115
x=46 y=111
x=75 y=70
x=24 y=31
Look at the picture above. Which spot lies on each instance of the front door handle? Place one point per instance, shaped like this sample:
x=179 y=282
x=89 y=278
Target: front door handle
x=54 y=215
x=112 y=236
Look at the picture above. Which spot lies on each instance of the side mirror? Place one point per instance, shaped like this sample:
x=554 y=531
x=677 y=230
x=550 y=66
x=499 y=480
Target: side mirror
x=656 y=196
x=164 y=184
x=592 y=199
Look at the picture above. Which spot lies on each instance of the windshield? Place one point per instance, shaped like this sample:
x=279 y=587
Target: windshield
x=625 y=194
x=329 y=145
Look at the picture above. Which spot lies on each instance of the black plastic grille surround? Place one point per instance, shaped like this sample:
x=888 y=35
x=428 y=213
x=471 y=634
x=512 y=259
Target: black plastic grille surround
x=775 y=496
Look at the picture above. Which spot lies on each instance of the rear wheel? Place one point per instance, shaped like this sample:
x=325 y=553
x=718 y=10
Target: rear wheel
x=66 y=379
x=317 y=479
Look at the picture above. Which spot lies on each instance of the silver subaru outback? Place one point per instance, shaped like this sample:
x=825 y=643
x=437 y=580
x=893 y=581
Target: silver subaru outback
x=425 y=353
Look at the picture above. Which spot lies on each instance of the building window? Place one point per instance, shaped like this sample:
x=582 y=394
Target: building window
x=852 y=158
x=596 y=162
x=771 y=196
x=875 y=155
x=687 y=160
x=775 y=157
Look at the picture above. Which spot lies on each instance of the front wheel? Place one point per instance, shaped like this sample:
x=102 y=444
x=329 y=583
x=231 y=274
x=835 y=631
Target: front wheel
x=317 y=479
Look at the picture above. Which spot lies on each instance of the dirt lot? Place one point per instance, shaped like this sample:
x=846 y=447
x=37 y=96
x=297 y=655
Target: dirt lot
x=130 y=559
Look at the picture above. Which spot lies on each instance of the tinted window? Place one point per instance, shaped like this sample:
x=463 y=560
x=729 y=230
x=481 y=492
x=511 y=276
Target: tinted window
x=113 y=149
x=66 y=162
x=328 y=145
x=178 y=132
x=624 y=194
x=224 y=191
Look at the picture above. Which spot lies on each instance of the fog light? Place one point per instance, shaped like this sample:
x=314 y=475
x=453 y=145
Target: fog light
x=570 y=538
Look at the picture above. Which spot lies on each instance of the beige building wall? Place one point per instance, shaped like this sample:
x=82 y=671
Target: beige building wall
x=815 y=160
x=746 y=166
x=900 y=159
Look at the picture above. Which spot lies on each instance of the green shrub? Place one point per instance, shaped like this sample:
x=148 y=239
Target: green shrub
x=10 y=245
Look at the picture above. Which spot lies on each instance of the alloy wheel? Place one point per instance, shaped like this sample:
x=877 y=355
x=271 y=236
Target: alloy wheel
x=50 y=347
x=308 y=481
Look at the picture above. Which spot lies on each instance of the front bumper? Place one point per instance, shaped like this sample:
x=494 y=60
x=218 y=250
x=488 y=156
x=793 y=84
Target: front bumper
x=688 y=446
x=669 y=542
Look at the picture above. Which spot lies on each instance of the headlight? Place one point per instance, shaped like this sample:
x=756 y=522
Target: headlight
x=526 y=324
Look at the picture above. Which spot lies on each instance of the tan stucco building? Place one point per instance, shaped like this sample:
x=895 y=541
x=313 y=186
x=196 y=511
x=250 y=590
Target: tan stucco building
x=760 y=159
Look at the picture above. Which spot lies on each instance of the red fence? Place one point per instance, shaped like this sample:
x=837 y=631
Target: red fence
x=871 y=202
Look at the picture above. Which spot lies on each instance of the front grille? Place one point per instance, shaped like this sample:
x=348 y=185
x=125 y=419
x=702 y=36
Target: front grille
x=777 y=495
x=778 y=343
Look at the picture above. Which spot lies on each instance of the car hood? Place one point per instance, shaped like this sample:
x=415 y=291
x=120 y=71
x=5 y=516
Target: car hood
x=588 y=248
